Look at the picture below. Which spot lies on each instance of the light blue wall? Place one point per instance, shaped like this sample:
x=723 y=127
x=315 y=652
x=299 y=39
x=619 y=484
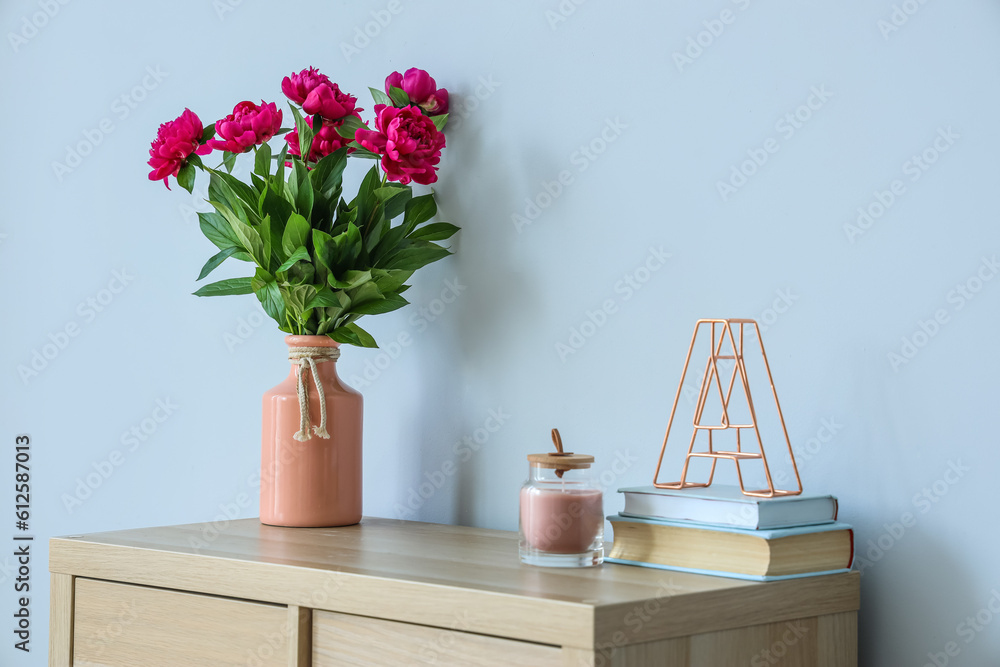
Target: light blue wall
x=532 y=88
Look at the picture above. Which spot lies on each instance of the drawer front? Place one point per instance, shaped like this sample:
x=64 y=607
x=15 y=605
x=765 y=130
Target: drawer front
x=118 y=625
x=344 y=639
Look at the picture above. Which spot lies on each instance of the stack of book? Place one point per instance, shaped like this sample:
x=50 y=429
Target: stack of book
x=717 y=530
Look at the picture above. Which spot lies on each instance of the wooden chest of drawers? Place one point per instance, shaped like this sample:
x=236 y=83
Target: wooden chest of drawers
x=403 y=593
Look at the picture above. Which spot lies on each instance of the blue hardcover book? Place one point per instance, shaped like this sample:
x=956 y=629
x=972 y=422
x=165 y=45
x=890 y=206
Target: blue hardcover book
x=757 y=555
x=724 y=505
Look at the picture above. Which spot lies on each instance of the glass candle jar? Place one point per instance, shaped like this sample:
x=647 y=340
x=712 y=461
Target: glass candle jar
x=562 y=512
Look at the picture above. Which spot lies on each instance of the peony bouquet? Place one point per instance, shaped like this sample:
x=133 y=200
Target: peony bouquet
x=321 y=262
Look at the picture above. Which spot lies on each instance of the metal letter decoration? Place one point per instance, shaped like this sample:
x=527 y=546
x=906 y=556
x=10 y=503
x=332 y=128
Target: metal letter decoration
x=727 y=343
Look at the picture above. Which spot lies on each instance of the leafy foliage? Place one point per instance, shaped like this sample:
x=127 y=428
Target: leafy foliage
x=321 y=262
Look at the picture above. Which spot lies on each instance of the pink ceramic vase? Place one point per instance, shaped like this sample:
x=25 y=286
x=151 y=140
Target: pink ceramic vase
x=308 y=480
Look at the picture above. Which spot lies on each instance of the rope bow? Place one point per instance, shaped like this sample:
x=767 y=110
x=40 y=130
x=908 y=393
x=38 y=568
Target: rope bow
x=305 y=358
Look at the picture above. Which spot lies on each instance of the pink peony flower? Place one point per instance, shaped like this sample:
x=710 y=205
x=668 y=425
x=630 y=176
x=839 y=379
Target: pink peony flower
x=326 y=141
x=175 y=142
x=318 y=96
x=298 y=86
x=421 y=89
x=247 y=126
x=407 y=140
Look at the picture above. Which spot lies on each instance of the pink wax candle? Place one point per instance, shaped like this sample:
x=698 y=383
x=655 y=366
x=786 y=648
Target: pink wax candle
x=562 y=511
x=561 y=521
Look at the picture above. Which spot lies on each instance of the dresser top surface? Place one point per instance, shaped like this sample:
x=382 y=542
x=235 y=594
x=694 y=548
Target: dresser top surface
x=405 y=551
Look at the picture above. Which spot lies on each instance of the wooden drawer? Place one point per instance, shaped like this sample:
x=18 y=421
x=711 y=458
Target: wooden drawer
x=344 y=639
x=118 y=625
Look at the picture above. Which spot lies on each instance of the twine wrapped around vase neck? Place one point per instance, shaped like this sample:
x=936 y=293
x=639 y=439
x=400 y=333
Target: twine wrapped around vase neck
x=306 y=357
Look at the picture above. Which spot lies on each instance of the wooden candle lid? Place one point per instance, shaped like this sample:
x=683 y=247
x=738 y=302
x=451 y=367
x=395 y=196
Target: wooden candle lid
x=567 y=461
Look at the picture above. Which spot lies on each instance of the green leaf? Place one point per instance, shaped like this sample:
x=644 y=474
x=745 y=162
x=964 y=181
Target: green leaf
x=224 y=196
x=437 y=231
x=185 y=177
x=399 y=96
x=352 y=334
x=396 y=202
x=380 y=97
x=274 y=205
x=298 y=297
x=389 y=244
x=208 y=133
x=217 y=259
x=248 y=237
x=440 y=121
x=305 y=134
x=229 y=160
x=272 y=301
x=364 y=293
x=367 y=203
x=304 y=192
x=297 y=231
x=350 y=279
x=241 y=191
x=262 y=161
x=327 y=298
x=226 y=287
x=217 y=230
x=279 y=180
x=300 y=254
x=390 y=281
x=326 y=176
x=271 y=252
x=411 y=259
x=325 y=253
x=302 y=273
x=390 y=303
x=418 y=211
x=350 y=125
x=361 y=151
